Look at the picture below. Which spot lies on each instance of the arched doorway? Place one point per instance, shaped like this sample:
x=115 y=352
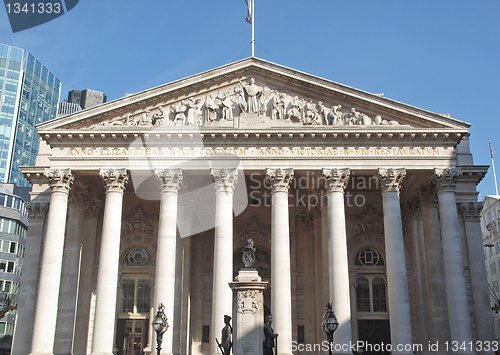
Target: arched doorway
x=134 y=301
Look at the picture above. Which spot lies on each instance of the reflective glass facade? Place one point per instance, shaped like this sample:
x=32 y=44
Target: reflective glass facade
x=29 y=96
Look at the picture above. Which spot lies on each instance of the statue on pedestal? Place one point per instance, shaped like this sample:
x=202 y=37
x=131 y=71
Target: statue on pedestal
x=269 y=337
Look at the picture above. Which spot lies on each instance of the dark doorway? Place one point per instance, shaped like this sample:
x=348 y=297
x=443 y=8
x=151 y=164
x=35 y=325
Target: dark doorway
x=374 y=332
x=131 y=336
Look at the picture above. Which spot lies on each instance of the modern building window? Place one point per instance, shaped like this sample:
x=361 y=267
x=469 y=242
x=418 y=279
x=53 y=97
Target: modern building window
x=493 y=269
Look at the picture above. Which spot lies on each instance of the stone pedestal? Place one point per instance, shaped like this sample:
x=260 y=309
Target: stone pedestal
x=248 y=313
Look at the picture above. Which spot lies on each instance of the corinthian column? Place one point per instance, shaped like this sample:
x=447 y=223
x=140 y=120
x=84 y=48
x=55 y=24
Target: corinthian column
x=337 y=255
x=44 y=326
x=440 y=328
x=453 y=255
x=170 y=181
x=37 y=212
x=109 y=258
x=222 y=299
x=281 y=291
x=397 y=283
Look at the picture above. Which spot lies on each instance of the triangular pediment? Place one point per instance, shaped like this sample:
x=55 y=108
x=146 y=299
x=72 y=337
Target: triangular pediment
x=253 y=94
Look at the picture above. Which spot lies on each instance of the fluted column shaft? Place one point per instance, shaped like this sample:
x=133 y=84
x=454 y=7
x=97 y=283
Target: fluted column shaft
x=170 y=180
x=435 y=269
x=453 y=254
x=337 y=256
x=222 y=299
x=281 y=294
x=397 y=282
x=44 y=325
x=109 y=257
x=29 y=280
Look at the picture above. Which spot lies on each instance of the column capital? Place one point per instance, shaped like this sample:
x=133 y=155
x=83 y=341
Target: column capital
x=60 y=179
x=37 y=210
x=427 y=195
x=471 y=210
x=115 y=179
x=446 y=179
x=336 y=179
x=225 y=179
x=280 y=179
x=390 y=179
x=170 y=179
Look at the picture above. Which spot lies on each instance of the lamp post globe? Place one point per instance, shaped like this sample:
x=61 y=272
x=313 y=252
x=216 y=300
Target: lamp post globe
x=160 y=326
x=329 y=325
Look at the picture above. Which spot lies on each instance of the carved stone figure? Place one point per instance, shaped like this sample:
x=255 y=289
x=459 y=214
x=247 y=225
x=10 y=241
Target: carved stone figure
x=278 y=107
x=269 y=336
x=193 y=111
x=294 y=113
x=241 y=101
x=335 y=117
x=249 y=254
x=312 y=115
x=157 y=118
x=323 y=111
x=354 y=118
x=226 y=107
x=253 y=93
x=212 y=106
x=226 y=336
x=143 y=119
x=179 y=111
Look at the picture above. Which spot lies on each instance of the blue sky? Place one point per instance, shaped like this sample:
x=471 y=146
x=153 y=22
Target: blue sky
x=442 y=56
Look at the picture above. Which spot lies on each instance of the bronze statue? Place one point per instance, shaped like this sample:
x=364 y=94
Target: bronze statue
x=226 y=341
x=270 y=337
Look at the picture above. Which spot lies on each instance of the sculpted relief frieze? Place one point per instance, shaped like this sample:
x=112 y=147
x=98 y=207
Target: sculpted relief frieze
x=249 y=101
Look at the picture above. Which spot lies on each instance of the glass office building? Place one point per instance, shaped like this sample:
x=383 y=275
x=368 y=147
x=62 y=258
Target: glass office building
x=29 y=95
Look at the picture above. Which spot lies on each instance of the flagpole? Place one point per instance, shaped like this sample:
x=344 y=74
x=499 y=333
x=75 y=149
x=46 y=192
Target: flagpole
x=493 y=166
x=253 y=30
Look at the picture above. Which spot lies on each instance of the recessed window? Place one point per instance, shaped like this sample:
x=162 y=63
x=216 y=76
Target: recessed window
x=136 y=295
x=137 y=257
x=369 y=257
x=206 y=334
x=371 y=295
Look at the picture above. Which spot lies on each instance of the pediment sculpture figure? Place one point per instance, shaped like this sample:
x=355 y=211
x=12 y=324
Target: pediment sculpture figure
x=335 y=117
x=312 y=116
x=211 y=106
x=193 y=112
x=253 y=94
x=294 y=113
x=179 y=111
x=226 y=107
x=157 y=118
x=278 y=112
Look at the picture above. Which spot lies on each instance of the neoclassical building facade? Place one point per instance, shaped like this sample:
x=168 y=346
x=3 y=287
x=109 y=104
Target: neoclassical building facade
x=349 y=198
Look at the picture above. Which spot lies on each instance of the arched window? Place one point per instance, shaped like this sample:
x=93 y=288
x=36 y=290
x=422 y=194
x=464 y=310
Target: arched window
x=137 y=257
x=371 y=294
x=369 y=257
x=135 y=295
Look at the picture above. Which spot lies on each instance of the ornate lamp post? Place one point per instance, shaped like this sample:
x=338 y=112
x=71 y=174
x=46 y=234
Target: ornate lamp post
x=160 y=326
x=330 y=325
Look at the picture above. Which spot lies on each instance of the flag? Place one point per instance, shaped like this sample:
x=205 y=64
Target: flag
x=491 y=149
x=249 y=11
